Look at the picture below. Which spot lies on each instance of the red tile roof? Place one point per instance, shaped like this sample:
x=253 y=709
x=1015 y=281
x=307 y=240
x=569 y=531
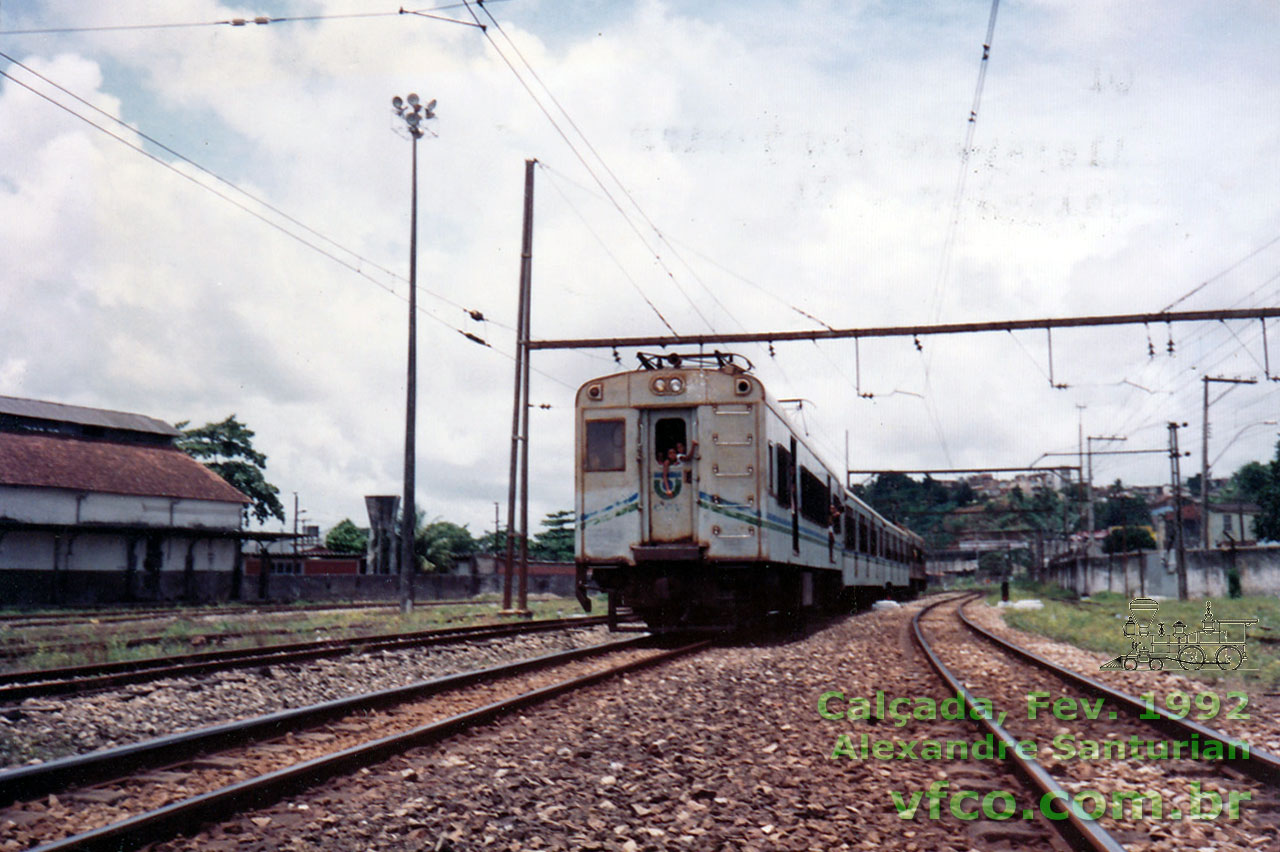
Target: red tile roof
x=47 y=461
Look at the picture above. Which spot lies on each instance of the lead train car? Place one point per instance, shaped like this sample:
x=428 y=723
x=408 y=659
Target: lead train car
x=699 y=506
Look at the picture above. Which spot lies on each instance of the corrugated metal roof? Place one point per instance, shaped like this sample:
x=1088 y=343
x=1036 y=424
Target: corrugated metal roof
x=50 y=461
x=56 y=411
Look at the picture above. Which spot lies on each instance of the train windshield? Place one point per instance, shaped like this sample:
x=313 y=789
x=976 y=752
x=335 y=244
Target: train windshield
x=605 y=442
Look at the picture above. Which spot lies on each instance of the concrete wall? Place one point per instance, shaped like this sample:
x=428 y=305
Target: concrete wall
x=59 y=506
x=110 y=552
x=1154 y=573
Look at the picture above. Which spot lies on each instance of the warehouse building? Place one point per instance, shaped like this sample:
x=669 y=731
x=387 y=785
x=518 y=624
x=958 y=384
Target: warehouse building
x=100 y=506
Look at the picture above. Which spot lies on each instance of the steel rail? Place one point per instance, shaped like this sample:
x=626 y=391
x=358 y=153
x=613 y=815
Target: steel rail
x=124 y=613
x=1075 y=827
x=185 y=815
x=29 y=782
x=15 y=686
x=1256 y=763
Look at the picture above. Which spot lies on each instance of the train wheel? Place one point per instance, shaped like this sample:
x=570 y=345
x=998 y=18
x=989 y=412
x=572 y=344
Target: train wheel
x=1228 y=658
x=1191 y=657
x=1157 y=663
x=1131 y=662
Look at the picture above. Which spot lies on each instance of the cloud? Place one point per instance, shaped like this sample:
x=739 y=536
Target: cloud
x=1121 y=158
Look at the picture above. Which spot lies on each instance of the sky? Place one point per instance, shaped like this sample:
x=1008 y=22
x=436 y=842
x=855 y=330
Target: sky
x=734 y=166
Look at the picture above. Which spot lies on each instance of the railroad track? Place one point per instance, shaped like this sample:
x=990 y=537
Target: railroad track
x=16 y=686
x=972 y=671
x=127 y=797
x=16 y=648
x=108 y=616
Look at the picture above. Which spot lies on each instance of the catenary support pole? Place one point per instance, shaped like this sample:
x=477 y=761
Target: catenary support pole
x=518 y=400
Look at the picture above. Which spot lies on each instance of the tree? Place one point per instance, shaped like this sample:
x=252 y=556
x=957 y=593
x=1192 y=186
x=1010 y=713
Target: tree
x=1249 y=483
x=1122 y=511
x=346 y=537
x=1128 y=539
x=1267 y=525
x=226 y=448
x=555 y=542
x=443 y=543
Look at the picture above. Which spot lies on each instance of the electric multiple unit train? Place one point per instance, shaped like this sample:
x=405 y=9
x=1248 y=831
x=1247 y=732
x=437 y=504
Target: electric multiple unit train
x=698 y=504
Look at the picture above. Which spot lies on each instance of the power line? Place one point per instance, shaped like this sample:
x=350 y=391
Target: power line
x=474 y=314
x=611 y=255
x=581 y=159
x=658 y=232
x=259 y=20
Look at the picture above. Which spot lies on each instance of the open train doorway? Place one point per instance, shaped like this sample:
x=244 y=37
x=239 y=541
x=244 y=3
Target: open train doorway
x=671 y=475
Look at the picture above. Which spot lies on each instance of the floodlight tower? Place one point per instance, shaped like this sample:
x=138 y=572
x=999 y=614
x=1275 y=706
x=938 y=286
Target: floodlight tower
x=414 y=114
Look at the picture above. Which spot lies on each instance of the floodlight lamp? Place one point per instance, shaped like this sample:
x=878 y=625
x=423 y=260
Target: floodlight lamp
x=413 y=99
x=431 y=108
x=398 y=103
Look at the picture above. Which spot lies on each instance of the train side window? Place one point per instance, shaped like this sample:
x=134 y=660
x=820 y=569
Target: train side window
x=606 y=440
x=669 y=434
x=815 y=498
x=850 y=530
x=864 y=542
x=772 y=464
x=786 y=476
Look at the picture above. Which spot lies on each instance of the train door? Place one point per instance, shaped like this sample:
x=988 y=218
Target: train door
x=795 y=499
x=671 y=474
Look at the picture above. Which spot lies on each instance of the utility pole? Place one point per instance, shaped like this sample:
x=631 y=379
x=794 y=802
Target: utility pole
x=1175 y=472
x=1204 y=455
x=413 y=113
x=497 y=528
x=520 y=416
x=1089 y=486
x=1081 y=565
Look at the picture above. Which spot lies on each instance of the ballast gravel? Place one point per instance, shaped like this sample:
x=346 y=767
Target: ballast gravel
x=44 y=728
x=723 y=750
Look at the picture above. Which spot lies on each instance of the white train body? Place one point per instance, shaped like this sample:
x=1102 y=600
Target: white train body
x=749 y=520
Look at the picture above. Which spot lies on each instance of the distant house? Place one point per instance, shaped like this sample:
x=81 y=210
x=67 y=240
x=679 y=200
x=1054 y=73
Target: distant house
x=1233 y=524
x=1230 y=524
x=101 y=506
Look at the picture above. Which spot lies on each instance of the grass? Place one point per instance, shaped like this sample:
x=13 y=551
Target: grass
x=1097 y=624
x=189 y=631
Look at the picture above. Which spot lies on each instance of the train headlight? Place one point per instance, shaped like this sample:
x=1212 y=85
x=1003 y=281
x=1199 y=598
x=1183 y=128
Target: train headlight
x=664 y=385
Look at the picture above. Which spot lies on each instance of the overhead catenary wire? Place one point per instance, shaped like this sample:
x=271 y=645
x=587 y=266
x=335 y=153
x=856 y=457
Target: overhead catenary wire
x=257 y=20
x=605 y=248
x=609 y=171
x=581 y=159
x=477 y=315
x=275 y=225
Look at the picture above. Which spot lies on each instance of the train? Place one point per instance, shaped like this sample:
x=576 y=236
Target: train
x=699 y=505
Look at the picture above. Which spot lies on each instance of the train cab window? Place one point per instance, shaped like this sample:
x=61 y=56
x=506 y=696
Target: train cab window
x=606 y=442
x=786 y=477
x=669 y=434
